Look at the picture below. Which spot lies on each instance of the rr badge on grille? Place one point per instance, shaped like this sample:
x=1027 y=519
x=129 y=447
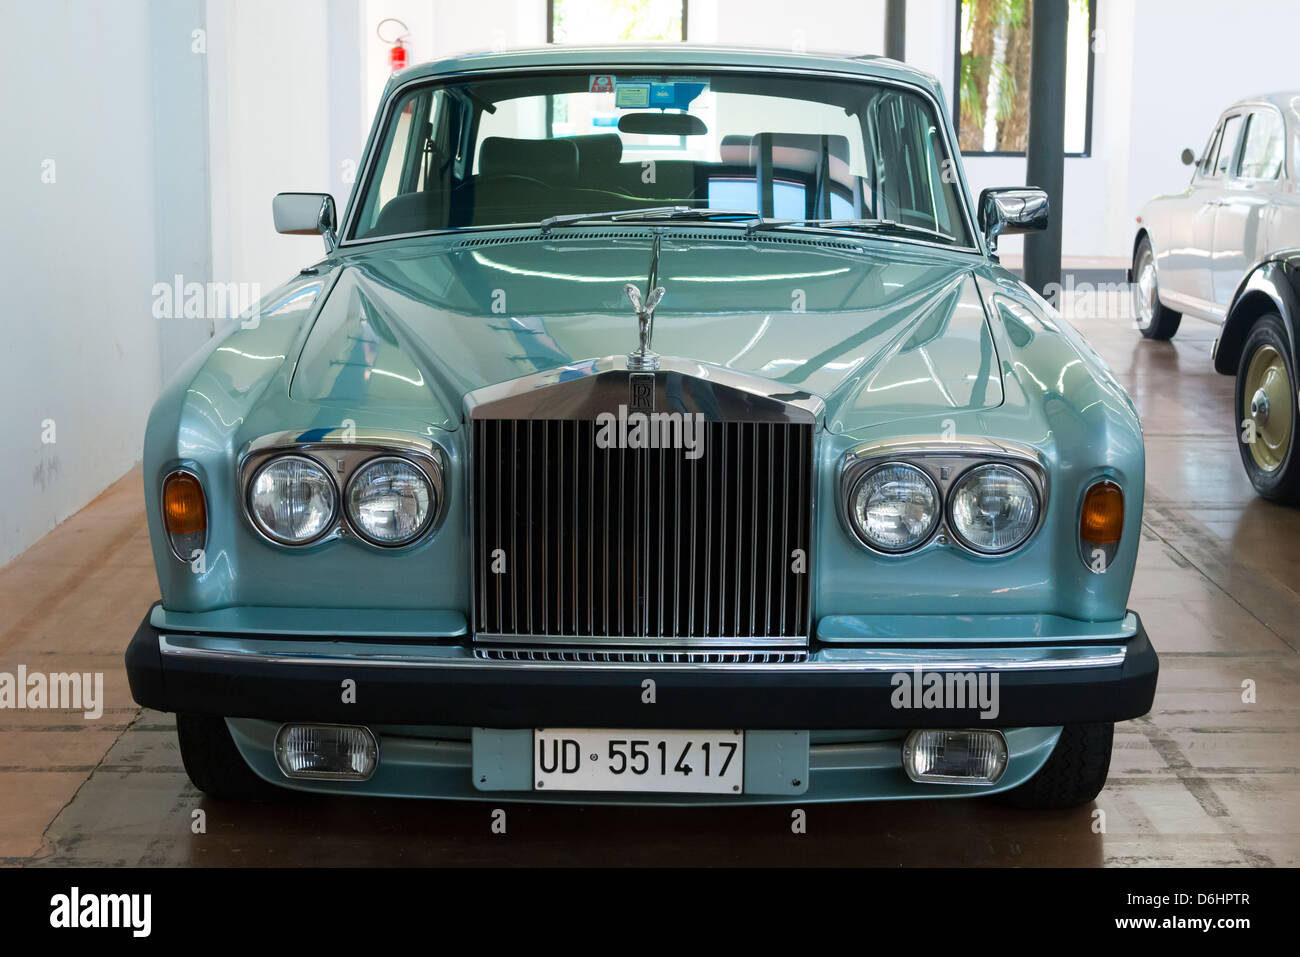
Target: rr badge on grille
x=642 y=398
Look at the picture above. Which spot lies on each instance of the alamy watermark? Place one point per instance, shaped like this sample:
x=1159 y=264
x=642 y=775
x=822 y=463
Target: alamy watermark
x=1091 y=300
x=946 y=690
x=76 y=910
x=179 y=299
x=651 y=430
x=61 y=691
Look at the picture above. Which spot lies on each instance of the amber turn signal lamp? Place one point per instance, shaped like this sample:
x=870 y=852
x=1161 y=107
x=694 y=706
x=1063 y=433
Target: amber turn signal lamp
x=184 y=511
x=1101 y=523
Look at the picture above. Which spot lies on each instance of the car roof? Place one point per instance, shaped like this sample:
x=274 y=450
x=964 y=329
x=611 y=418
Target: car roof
x=674 y=55
x=1284 y=100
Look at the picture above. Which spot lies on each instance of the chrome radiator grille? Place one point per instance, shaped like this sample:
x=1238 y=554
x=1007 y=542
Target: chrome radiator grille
x=641 y=546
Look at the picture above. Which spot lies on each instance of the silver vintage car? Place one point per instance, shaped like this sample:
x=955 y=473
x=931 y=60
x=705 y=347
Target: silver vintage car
x=1222 y=249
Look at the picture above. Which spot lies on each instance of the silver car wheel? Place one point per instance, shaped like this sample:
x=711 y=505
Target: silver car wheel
x=1144 y=291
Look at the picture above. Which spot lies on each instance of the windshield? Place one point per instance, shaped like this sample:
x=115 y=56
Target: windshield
x=524 y=148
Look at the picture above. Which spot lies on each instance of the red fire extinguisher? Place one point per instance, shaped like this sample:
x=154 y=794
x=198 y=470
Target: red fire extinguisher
x=396 y=55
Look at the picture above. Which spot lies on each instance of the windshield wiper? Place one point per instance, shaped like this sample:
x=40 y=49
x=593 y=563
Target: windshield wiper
x=866 y=225
x=650 y=212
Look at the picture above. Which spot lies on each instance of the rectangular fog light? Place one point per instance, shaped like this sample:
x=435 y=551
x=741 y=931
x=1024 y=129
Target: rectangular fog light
x=340 y=752
x=955 y=757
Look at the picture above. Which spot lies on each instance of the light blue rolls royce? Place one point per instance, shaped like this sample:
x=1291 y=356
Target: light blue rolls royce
x=659 y=427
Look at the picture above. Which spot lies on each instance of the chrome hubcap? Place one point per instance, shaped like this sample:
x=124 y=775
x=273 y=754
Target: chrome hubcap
x=1259 y=407
x=1144 y=292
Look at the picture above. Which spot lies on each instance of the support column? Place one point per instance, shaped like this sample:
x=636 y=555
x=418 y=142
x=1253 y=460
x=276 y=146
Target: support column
x=896 y=29
x=1046 y=152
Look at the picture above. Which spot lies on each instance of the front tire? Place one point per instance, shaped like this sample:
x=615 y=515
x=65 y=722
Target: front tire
x=214 y=764
x=1267 y=412
x=1073 y=775
x=1154 y=320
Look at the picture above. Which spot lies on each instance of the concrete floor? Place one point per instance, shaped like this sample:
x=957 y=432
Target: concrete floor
x=1204 y=780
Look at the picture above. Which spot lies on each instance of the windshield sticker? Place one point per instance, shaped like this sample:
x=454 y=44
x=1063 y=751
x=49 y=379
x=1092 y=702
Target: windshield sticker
x=632 y=96
x=648 y=92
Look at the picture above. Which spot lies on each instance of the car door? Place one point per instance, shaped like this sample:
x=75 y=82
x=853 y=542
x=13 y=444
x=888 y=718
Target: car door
x=1241 y=221
x=1185 y=244
x=1283 y=231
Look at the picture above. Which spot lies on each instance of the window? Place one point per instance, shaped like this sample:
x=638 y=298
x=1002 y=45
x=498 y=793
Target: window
x=603 y=21
x=1262 y=153
x=1211 y=149
x=992 y=75
x=1227 y=144
x=477 y=151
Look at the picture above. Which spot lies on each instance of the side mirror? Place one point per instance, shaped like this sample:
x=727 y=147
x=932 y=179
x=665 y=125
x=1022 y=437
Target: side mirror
x=306 y=214
x=1188 y=157
x=1014 y=209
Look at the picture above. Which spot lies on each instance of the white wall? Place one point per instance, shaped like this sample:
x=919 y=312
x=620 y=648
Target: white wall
x=77 y=260
x=849 y=26
x=268 y=82
x=444 y=28
x=1192 y=59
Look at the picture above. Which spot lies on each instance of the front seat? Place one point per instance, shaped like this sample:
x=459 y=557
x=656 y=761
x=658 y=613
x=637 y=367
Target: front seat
x=519 y=179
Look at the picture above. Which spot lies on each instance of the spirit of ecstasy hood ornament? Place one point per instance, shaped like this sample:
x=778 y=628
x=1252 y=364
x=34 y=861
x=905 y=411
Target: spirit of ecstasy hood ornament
x=643 y=360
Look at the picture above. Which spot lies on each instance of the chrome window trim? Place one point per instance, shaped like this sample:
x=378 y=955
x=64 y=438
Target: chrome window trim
x=931 y=454
x=851 y=660
x=1252 y=108
x=977 y=245
x=341 y=460
x=162 y=510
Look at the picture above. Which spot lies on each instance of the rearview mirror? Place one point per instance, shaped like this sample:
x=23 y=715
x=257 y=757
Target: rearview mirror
x=1014 y=209
x=662 y=124
x=1188 y=157
x=306 y=214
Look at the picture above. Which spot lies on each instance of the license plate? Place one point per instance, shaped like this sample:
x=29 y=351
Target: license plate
x=692 y=762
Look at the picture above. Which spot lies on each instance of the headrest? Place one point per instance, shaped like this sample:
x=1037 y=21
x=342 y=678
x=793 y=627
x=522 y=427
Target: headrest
x=598 y=152
x=734 y=149
x=802 y=151
x=551 y=161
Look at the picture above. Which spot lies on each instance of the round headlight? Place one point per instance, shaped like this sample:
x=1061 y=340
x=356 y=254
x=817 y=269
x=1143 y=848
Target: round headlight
x=292 y=500
x=993 y=508
x=390 y=501
x=894 y=507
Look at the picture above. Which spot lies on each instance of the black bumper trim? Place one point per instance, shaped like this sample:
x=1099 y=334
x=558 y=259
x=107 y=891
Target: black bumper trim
x=502 y=697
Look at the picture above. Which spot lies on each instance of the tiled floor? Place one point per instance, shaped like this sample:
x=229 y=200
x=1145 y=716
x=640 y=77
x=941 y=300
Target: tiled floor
x=1207 y=778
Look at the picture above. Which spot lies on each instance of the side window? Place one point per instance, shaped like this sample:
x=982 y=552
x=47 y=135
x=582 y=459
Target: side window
x=1263 y=150
x=909 y=154
x=1211 y=148
x=406 y=159
x=1227 y=145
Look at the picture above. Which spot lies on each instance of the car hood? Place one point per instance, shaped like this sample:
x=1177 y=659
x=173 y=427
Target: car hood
x=880 y=331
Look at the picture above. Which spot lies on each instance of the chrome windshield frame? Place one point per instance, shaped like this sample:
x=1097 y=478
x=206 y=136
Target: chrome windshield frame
x=375 y=144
